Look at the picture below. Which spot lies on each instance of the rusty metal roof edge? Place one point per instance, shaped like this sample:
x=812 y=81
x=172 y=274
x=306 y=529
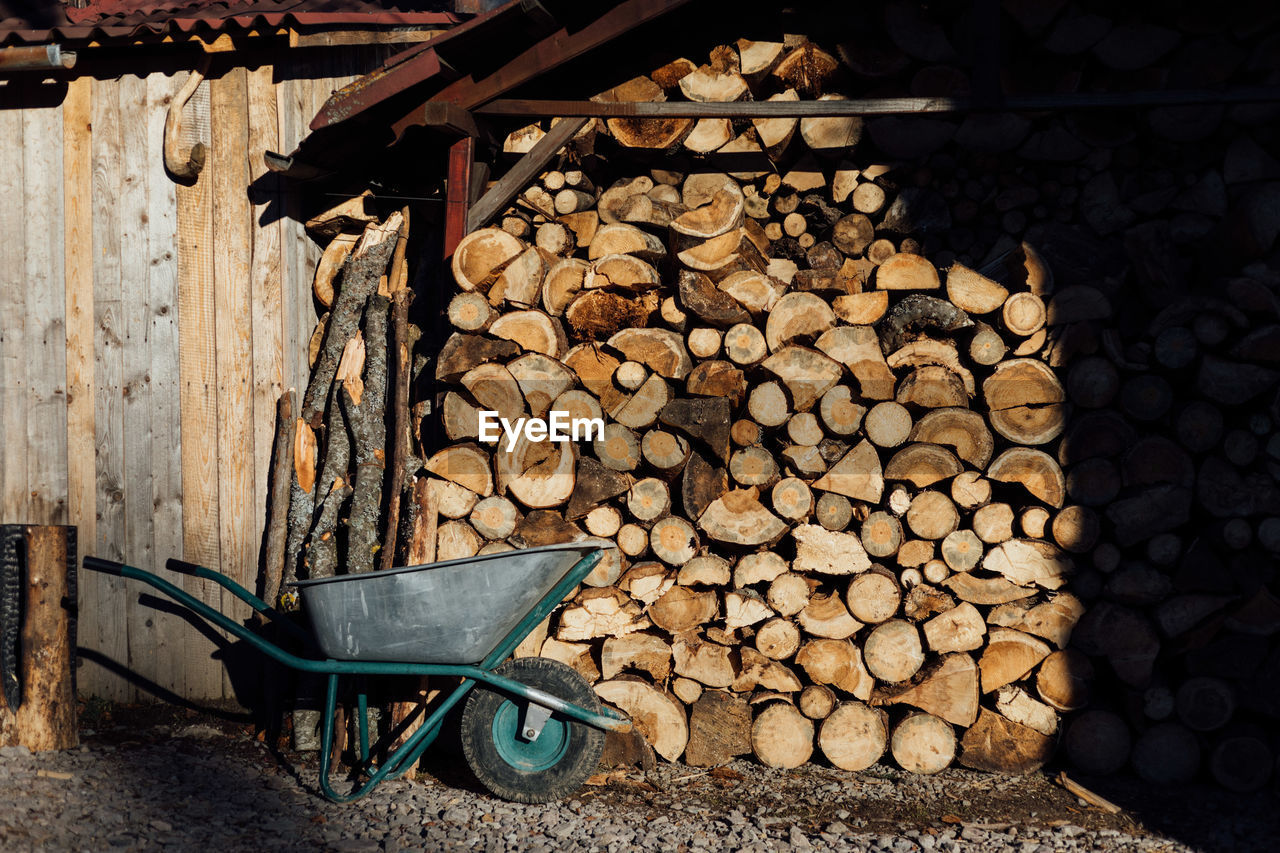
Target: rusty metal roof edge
x=187 y=25
x=398 y=75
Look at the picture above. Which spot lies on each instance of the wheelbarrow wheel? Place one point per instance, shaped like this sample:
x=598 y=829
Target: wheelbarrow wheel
x=515 y=768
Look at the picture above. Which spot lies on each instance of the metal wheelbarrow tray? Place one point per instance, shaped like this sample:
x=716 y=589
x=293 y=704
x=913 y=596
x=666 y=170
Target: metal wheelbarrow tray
x=451 y=612
x=532 y=728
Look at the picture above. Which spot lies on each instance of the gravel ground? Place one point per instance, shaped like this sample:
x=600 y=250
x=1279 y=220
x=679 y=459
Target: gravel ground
x=200 y=783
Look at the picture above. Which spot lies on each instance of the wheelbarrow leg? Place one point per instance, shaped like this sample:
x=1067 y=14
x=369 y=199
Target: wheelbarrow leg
x=362 y=708
x=399 y=760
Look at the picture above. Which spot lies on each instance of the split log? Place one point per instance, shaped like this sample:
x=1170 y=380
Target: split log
x=1008 y=657
x=775 y=133
x=959 y=629
x=702 y=661
x=973 y=292
x=947 y=690
x=275 y=547
x=659 y=718
x=1017 y=705
x=826 y=616
x=999 y=745
x=602 y=612
x=806 y=373
x=857 y=475
x=683 y=609
x=835 y=662
x=857 y=348
x=533 y=331
x=827 y=552
x=651 y=133
x=1035 y=470
x=481 y=256
x=743 y=607
x=922 y=465
x=707 y=570
x=1026 y=562
x=986 y=591
x=738 y=518
x=719 y=729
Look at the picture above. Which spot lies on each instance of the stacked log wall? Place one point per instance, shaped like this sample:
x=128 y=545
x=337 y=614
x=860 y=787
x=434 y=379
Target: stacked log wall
x=922 y=432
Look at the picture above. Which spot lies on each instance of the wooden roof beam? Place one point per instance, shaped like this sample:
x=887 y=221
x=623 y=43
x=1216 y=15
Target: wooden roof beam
x=522 y=173
x=547 y=54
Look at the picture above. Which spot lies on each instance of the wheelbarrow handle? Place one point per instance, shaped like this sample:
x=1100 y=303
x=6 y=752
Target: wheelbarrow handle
x=111 y=567
x=106 y=567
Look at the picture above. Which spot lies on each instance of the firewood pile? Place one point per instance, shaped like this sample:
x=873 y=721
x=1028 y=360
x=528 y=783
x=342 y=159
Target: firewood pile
x=920 y=433
x=332 y=499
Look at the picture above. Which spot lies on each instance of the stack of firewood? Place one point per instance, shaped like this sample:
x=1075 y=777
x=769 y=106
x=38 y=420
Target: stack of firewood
x=917 y=438
x=877 y=483
x=813 y=439
x=330 y=489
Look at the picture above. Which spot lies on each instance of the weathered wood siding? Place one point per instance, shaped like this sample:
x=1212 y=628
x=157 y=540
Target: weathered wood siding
x=147 y=329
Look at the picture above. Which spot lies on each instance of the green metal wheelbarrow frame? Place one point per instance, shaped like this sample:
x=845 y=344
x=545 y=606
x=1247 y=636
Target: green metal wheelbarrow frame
x=405 y=756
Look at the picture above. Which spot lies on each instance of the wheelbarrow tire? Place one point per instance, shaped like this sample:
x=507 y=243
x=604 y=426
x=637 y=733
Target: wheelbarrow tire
x=548 y=769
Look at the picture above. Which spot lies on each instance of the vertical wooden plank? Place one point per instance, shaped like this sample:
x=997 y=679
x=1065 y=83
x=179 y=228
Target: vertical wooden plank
x=77 y=176
x=299 y=307
x=46 y=340
x=13 y=290
x=166 y=413
x=135 y=322
x=232 y=236
x=198 y=394
x=110 y=636
x=265 y=268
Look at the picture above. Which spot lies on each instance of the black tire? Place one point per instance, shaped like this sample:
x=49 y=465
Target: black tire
x=554 y=766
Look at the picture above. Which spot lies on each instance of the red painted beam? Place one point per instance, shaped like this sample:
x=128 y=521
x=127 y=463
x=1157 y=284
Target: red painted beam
x=462 y=155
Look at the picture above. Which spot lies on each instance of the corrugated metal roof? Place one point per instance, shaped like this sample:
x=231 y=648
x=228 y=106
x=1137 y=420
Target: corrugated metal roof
x=34 y=21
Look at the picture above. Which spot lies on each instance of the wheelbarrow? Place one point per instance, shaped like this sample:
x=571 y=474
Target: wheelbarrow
x=532 y=728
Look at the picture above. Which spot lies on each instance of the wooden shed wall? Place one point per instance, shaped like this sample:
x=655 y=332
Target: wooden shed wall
x=146 y=331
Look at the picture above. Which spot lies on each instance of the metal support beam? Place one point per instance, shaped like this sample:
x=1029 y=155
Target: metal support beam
x=874 y=106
